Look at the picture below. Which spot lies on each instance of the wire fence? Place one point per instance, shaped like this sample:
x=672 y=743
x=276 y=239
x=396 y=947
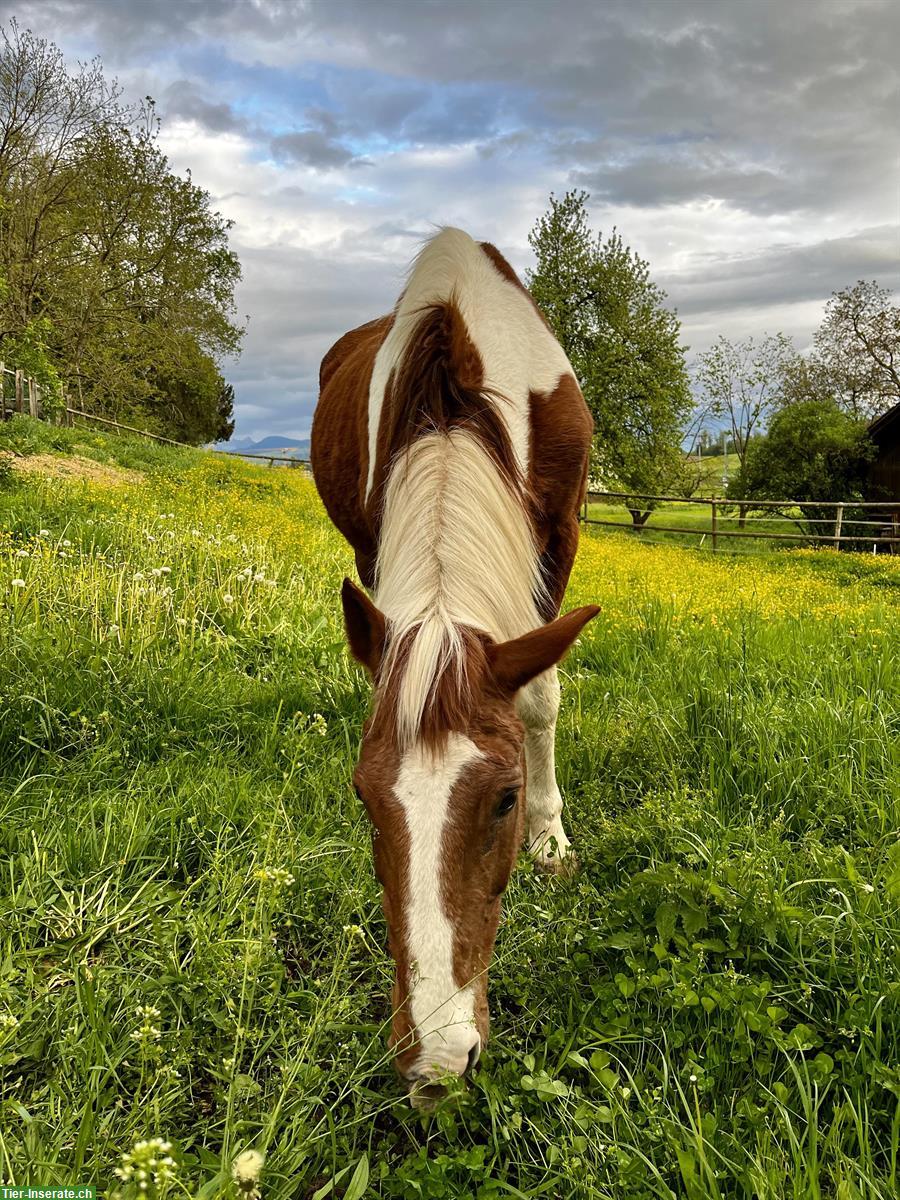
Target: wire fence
x=27 y=399
x=716 y=523
x=742 y=527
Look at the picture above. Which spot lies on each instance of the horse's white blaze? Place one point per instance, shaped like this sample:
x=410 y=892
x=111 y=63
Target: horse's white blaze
x=518 y=352
x=442 y=1011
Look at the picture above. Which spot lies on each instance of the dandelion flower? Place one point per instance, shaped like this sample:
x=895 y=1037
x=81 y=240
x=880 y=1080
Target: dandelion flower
x=228 y=598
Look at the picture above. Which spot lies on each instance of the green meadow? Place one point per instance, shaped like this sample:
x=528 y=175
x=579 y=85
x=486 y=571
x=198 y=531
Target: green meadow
x=192 y=947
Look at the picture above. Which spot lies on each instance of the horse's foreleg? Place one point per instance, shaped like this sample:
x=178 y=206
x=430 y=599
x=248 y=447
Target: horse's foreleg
x=538 y=705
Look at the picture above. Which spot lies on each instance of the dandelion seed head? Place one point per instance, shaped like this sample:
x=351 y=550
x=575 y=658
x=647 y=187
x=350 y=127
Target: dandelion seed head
x=246 y=1170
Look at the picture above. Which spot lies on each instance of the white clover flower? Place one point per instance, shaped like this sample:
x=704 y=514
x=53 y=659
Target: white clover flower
x=8 y=1021
x=17 y=583
x=247 y=572
x=43 y=533
x=259 y=577
x=66 y=542
x=113 y=629
x=137 y=576
x=22 y=554
x=181 y=621
x=228 y=598
x=165 y=570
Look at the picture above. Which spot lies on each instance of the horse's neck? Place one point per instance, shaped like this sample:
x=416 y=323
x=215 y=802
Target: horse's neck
x=456 y=545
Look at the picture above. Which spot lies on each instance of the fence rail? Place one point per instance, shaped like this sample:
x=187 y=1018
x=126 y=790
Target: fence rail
x=27 y=399
x=813 y=527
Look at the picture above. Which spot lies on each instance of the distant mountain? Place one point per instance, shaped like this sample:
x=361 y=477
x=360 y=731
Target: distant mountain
x=273 y=444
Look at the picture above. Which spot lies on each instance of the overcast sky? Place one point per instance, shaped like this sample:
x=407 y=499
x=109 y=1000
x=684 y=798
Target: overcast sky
x=749 y=150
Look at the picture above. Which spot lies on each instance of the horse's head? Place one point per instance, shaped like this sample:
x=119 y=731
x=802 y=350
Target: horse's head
x=447 y=810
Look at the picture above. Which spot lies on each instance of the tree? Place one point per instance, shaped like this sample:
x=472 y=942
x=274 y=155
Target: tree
x=743 y=381
x=119 y=268
x=623 y=344
x=813 y=450
x=857 y=349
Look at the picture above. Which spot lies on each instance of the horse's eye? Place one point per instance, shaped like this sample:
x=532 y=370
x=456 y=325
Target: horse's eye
x=507 y=802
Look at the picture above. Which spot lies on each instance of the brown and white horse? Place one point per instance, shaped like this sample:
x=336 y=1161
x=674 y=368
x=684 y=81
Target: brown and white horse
x=450 y=447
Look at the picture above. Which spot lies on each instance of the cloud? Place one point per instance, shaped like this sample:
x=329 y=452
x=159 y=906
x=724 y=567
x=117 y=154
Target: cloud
x=743 y=149
x=312 y=147
x=184 y=100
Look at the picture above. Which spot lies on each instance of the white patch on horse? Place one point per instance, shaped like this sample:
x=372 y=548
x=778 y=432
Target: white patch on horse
x=518 y=352
x=456 y=548
x=442 y=1011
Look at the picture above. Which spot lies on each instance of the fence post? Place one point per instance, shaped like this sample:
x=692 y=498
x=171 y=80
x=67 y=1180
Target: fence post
x=838 y=522
x=19 y=389
x=32 y=399
x=2 y=391
x=715 y=523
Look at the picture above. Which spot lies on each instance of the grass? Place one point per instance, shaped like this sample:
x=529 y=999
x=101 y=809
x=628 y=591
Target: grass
x=191 y=942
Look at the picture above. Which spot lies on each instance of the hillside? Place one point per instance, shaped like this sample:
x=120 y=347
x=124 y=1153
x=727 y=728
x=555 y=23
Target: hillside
x=191 y=940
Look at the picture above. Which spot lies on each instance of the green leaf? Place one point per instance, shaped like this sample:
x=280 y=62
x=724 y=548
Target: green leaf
x=599 y=1060
x=360 y=1180
x=666 y=916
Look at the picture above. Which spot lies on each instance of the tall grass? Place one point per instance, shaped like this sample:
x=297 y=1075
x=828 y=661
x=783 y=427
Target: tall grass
x=191 y=941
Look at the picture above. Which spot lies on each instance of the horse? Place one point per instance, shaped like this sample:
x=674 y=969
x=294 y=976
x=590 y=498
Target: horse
x=450 y=447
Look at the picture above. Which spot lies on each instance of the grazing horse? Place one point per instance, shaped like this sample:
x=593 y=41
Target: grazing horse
x=450 y=447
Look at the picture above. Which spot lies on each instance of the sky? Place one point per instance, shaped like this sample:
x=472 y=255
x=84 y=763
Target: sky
x=748 y=149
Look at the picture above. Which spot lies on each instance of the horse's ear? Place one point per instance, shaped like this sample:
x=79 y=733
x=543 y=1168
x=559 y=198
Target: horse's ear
x=365 y=626
x=517 y=662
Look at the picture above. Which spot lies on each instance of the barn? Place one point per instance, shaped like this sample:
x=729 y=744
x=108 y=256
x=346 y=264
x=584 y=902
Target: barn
x=884 y=476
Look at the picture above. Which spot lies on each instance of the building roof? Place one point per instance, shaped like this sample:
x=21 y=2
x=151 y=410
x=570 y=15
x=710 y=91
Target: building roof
x=884 y=426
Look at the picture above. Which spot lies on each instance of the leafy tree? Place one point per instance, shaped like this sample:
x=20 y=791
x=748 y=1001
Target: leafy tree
x=122 y=266
x=743 y=382
x=622 y=342
x=857 y=349
x=813 y=450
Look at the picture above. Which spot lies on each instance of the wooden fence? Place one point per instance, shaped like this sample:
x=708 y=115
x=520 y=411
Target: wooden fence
x=819 y=523
x=26 y=397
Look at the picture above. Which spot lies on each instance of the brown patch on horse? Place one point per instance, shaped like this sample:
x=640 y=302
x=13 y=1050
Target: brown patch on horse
x=561 y=429
x=454 y=699
x=374 y=780
x=339 y=448
x=438 y=386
